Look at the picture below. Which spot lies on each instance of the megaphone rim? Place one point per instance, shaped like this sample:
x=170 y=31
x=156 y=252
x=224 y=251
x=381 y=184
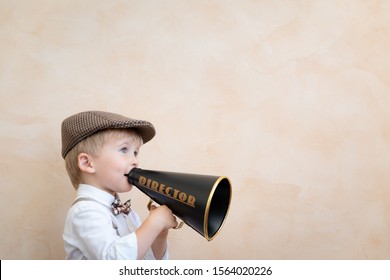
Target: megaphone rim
x=207 y=210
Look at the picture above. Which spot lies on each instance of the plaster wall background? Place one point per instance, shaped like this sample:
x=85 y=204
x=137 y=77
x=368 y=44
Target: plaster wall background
x=290 y=99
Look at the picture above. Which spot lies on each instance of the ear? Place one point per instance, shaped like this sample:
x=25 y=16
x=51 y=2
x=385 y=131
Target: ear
x=85 y=163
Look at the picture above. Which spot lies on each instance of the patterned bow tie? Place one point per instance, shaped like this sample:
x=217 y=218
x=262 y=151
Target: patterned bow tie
x=117 y=206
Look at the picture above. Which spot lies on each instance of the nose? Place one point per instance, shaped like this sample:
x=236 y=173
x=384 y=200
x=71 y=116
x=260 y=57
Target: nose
x=134 y=161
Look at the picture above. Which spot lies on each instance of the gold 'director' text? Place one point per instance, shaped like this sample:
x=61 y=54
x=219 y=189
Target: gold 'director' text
x=167 y=191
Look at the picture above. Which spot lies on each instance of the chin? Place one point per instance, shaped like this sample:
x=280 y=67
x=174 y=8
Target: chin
x=124 y=188
x=128 y=188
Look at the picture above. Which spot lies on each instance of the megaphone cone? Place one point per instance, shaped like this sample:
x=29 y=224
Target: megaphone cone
x=201 y=201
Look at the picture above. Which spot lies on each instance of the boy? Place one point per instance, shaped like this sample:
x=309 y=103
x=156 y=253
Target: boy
x=99 y=148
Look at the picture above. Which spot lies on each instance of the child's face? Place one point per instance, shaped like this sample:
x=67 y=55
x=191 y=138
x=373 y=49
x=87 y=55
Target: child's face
x=116 y=158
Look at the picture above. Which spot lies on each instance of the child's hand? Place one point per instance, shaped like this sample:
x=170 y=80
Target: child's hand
x=163 y=216
x=154 y=230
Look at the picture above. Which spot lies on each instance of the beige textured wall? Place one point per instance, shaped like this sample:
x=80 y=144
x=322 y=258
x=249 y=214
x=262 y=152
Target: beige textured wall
x=290 y=99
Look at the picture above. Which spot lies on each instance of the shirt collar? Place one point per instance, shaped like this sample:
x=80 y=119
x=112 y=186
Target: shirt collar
x=97 y=194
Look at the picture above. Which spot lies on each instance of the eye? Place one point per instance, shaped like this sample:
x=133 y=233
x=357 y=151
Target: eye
x=124 y=150
x=135 y=153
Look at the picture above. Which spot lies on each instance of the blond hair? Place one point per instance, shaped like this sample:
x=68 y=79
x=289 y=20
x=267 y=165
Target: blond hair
x=92 y=145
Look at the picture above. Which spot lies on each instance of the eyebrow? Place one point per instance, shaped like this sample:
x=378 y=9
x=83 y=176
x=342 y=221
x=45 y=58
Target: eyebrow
x=120 y=143
x=126 y=142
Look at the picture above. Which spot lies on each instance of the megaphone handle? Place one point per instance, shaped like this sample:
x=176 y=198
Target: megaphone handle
x=149 y=204
x=180 y=225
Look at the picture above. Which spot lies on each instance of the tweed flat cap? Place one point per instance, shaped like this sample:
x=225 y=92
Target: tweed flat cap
x=82 y=125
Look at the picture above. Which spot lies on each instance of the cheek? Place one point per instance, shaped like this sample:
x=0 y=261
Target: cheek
x=116 y=163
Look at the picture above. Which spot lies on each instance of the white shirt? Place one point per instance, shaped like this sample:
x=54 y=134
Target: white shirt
x=92 y=231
